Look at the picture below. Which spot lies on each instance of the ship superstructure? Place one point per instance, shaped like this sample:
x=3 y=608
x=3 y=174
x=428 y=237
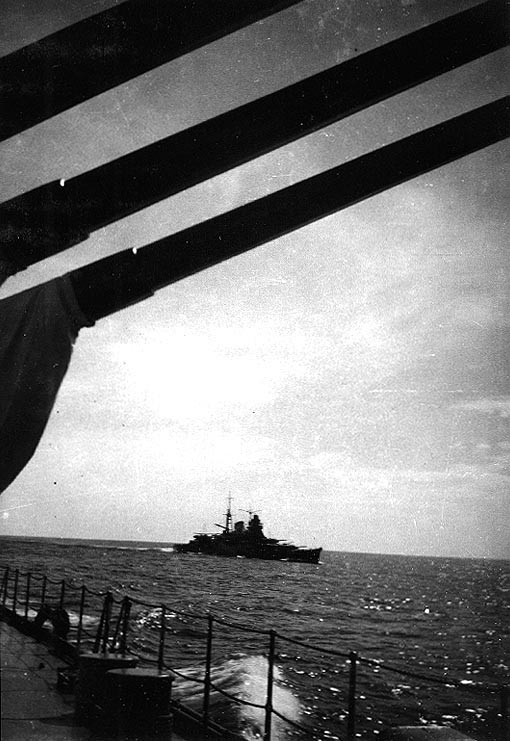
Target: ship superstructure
x=248 y=541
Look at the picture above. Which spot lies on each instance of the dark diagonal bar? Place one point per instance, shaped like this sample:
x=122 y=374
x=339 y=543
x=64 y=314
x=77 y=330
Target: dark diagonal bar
x=51 y=218
x=111 y=284
x=109 y=48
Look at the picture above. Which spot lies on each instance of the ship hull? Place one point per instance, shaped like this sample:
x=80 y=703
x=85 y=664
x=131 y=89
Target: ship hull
x=265 y=553
x=249 y=541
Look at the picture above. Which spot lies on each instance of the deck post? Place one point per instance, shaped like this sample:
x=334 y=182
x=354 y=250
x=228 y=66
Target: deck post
x=100 y=628
x=270 y=679
x=27 y=600
x=207 y=678
x=351 y=713
x=108 y=600
x=162 y=631
x=125 y=625
x=5 y=585
x=80 y=618
x=62 y=593
x=43 y=590
x=15 y=595
x=118 y=627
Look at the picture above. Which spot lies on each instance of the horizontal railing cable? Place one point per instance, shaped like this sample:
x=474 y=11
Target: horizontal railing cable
x=94 y=593
x=321 y=649
x=239 y=700
x=291 y=722
x=181 y=613
x=157 y=606
x=38 y=577
x=21 y=602
x=131 y=652
x=172 y=669
x=240 y=626
x=423 y=677
x=117 y=600
x=87 y=633
x=35 y=575
x=148 y=660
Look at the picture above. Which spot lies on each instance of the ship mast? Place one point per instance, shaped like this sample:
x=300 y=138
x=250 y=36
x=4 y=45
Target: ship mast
x=228 y=515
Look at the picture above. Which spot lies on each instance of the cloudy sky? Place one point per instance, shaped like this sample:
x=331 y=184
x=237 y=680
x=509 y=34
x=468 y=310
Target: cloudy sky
x=350 y=380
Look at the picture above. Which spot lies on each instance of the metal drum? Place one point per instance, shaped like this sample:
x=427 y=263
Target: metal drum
x=91 y=691
x=140 y=703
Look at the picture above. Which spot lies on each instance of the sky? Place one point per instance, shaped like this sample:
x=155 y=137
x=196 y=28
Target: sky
x=350 y=380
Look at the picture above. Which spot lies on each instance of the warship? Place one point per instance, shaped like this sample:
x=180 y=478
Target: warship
x=246 y=541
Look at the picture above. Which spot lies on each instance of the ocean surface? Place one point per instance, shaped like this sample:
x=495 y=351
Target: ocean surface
x=447 y=619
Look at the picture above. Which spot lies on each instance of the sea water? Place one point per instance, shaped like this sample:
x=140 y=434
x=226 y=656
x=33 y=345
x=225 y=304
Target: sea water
x=443 y=618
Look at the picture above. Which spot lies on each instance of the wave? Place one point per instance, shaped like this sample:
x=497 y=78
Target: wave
x=111 y=546
x=87 y=620
x=246 y=679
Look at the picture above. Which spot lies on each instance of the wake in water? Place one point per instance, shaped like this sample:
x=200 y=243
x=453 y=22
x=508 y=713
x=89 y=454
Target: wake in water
x=246 y=679
x=243 y=677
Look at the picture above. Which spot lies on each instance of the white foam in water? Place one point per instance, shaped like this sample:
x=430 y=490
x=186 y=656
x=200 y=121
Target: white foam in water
x=87 y=620
x=246 y=679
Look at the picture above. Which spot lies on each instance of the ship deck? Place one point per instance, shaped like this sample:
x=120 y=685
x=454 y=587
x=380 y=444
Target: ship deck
x=32 y=708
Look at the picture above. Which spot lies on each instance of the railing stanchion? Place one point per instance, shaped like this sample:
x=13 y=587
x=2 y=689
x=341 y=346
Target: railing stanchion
x=43 y=590
x=162 y=631
x=270 y=678
x=351 y=713
x=125 y=625
x=505 y=719
x=15 y=595
x=100 y=628
x=6 y=584
x=207 y=678
x=108 y=600
x=118 y=628
x=119 y=643
x=27 y=600
x=80 y=618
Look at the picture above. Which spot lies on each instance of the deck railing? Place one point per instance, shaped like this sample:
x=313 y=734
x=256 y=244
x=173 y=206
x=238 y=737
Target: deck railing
x=25 y=594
